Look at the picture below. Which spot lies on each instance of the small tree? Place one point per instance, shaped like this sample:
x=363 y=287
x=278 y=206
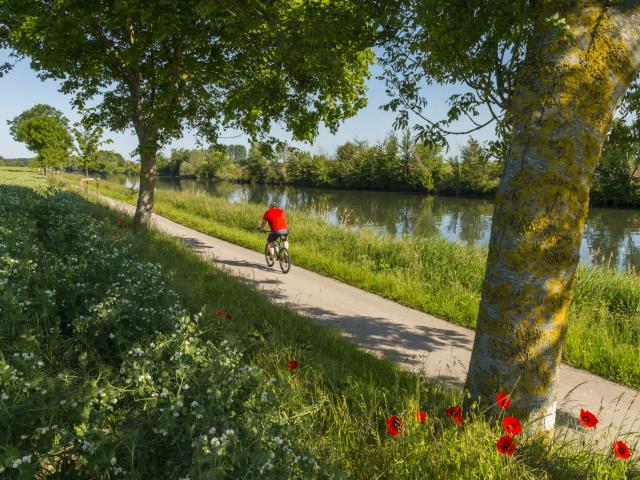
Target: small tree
x=48 y=137
x=88 y=140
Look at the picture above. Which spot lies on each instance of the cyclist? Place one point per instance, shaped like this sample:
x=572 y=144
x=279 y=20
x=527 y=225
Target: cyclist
x=278 y=225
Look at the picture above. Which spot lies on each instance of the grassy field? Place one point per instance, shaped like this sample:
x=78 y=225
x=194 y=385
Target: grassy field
x=114 y=323
x=430 y=274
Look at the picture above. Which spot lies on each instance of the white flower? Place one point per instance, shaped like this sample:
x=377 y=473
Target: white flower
x=113 y=460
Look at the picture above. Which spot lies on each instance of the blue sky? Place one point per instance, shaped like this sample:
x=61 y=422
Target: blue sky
x=20 y=89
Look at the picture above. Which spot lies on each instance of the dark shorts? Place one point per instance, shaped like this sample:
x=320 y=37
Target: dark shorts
x=274 y=234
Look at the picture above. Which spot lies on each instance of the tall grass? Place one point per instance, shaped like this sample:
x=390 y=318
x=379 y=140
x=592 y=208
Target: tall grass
x=430 y=274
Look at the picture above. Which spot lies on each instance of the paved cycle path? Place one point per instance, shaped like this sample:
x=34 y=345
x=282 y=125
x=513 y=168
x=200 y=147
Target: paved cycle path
x=419 y=341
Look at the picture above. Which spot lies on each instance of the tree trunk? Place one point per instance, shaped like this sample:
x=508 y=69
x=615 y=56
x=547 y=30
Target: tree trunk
x=571 y=84
x=147 y=187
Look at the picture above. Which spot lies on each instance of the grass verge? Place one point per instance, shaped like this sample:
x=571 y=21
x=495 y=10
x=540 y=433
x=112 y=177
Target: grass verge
x=429 y=274
x=109 y=336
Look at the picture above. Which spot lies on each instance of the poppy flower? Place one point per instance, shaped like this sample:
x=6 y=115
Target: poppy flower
x=455 y=414
x=394 y=426
x=292 y=364
x=505 y=445
x=421 y=416
x=587 y=418
x=511 y=425
x=621 y=450
x=229 y=316
x=453 y=411
x=503 y=400
x=219 y=312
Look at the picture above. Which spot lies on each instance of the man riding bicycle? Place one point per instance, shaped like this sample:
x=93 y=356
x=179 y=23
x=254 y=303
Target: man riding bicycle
x=278 y=225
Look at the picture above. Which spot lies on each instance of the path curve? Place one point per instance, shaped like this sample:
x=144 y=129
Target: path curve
x=419 y=341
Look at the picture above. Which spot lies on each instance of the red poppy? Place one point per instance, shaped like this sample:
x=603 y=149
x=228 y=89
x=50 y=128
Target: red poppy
x=621 y=450
x=122 y=222
x=292 y=364
x=229 y=316
x=505 y=445
x=394 y=426
x=503 y=400
x=457 y=419
x=421 y=416
x=455 y=414
x=219 y=312
x=587 y=418
x=511 y=425
x=453 y=411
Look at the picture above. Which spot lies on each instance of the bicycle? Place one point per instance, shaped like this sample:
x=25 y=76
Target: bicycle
x=280 y=253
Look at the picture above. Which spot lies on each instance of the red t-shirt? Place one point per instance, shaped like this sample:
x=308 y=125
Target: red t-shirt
x=276 y=219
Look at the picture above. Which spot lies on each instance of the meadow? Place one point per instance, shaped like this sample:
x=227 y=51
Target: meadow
x=429 y=274
x=124 y=355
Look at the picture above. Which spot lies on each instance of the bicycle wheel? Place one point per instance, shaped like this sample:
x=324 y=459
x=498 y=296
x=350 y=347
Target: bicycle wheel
x=270 y=260
x=285 y=260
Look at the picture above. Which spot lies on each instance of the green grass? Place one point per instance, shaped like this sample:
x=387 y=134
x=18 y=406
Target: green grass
x=429 y=274
x=338 y=400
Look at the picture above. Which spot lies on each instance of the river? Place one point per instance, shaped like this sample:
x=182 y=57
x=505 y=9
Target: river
x=611 y=236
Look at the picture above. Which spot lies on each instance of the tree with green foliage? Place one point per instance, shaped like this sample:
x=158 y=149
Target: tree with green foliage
x=160 y=67
x=88 y=139
x=238 y=153
x=616 y=180
x=551 y=74
x=47 y=136
x=108 y=161
x=477 y=170
x=38 y=110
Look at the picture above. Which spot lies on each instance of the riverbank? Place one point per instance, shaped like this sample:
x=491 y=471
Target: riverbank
x=429 y=274
x=227 y=375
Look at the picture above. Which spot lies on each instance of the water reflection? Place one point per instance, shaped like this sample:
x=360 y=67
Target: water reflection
x=611 y=236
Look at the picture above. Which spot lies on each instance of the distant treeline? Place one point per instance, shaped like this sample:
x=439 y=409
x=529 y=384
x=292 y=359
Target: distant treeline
x=106 y=161
x=400 y=164
x=14 y=162
x=397 y=163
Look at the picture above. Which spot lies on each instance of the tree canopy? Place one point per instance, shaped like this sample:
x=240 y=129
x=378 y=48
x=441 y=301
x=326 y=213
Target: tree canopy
x=47 y=136
x=477 y=47
x=38 y=110
x=160 y=67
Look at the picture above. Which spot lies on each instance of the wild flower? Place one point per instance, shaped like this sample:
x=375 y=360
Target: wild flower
x=506 y=445
x=511 y=425
x=588 y=419
x=394 y=425
x=503 y=400
x=621 y=450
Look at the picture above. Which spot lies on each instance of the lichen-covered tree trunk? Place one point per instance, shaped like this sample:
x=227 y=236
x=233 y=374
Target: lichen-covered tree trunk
x=572 y=82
